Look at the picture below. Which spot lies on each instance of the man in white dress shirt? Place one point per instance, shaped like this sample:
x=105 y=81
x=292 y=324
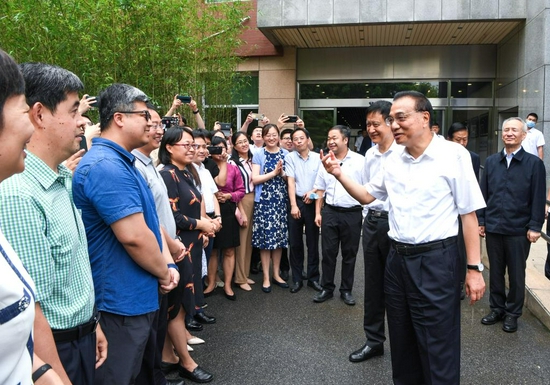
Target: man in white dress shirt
x=429 y=183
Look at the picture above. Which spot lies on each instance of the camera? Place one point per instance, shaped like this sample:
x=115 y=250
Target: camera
x=215 y=150
x=94 y=104
x=184 y=99
x=170 y=121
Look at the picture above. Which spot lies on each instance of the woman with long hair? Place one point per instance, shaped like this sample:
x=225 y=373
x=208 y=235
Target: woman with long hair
x=269 y=230
x=241 y=156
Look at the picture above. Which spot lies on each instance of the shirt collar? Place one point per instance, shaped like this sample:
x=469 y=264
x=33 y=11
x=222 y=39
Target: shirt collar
x=43 y=173
x=518 y=154
x=114 y=146
x=142 y=157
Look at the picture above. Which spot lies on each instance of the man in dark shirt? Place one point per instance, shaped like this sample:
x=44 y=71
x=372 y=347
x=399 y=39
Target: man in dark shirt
x=513 y=185
x=458 y=133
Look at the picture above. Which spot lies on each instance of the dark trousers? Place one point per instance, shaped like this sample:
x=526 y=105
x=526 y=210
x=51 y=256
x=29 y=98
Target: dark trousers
x=127 y=338
x=507 y=252
x=285 y=265
x=423 y=307
x=339 y=230
x=376 y=246
x=295 y=233
x=151 y=373
x=78 y=359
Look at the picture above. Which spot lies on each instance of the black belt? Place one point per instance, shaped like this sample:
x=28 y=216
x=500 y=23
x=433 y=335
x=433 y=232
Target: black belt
x=76 y=333
x=409 y=249
x=378 y=214
x=345 y=209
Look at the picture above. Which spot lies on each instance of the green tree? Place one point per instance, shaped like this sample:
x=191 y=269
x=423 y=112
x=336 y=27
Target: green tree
x=163 y=47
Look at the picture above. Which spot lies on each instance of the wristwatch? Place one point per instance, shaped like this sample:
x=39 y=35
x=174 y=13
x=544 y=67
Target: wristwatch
x=479 y=267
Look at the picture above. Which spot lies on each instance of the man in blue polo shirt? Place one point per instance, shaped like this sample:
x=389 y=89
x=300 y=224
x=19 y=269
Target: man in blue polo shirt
x=125 y=242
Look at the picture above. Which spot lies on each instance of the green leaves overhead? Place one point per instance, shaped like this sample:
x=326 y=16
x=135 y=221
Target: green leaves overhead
x=164 y=47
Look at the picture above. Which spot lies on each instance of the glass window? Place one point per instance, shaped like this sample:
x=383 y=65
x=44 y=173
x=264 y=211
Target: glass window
x=370 y=90
x=471 y=89
x=317 y=123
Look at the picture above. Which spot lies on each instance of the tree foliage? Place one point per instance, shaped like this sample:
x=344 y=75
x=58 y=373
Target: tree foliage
x=163 y=47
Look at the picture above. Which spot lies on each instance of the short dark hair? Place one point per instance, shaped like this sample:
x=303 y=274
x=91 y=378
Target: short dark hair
x=199 y=134
x=383 y=107
x=455 y=127
x=118 y=97
x=11 y=82
x=297 y=129
x=286 y=131
x=217 y=140
x=344 y=130
x=421 y=102
x=267 y=127
x=48 y=84
x=151 y=106
x=534 y=115
x=207 y=134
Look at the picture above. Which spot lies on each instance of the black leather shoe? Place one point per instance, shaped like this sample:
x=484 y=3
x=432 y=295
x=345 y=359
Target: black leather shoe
x=283 y=285
x=284 y=275
x=315 y=285
x=510 y=324
x=323 y=296
x=193 y=326
x=204 y=319
x=348 y=298
x=198 y=375
x=178 y=381
x=296 y=287
x=231 y=297
x=366 y=352
x=167 y=367
x=266 y=289
x=492 y=318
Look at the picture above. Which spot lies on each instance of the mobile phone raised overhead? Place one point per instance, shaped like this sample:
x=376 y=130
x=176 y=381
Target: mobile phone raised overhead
x=184 y=99
x=292 y=119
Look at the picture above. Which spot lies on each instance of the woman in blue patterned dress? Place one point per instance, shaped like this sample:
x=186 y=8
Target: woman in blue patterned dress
x=269 y=231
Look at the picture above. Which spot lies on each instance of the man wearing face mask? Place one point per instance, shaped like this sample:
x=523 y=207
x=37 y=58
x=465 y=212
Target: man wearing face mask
x=534 y=140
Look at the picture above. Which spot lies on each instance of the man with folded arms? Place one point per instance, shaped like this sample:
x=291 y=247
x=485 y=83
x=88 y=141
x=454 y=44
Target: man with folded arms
x=40 y=220
x=429 y=182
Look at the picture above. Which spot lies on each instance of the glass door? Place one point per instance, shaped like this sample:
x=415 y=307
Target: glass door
x=317 y=122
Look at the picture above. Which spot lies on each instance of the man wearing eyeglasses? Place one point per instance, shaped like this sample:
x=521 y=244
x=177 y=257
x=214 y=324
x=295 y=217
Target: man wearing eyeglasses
x=128 y=252
x=429 y=183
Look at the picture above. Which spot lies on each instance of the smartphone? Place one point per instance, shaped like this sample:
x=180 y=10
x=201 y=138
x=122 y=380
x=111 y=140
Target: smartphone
x=184 y=99
x=292 y=119
x=215 y=150
x=226 y=129
x=257 y=116
x=94 y=104
x=83 y=143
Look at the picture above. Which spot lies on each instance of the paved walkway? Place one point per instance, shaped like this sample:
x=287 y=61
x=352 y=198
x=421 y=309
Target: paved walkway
x=283 y=338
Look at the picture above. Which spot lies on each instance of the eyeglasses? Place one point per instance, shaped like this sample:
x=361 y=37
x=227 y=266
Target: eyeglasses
x=287 y=138
x=187 y=145
x=241 y=142
x=144 y=113
x=159 y=125
x=401 y=117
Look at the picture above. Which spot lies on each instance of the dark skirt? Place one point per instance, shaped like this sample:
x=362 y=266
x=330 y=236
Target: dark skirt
x=229 y=235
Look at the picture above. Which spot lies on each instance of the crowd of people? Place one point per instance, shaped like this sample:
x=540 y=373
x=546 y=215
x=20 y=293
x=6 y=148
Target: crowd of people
x=113 y=234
